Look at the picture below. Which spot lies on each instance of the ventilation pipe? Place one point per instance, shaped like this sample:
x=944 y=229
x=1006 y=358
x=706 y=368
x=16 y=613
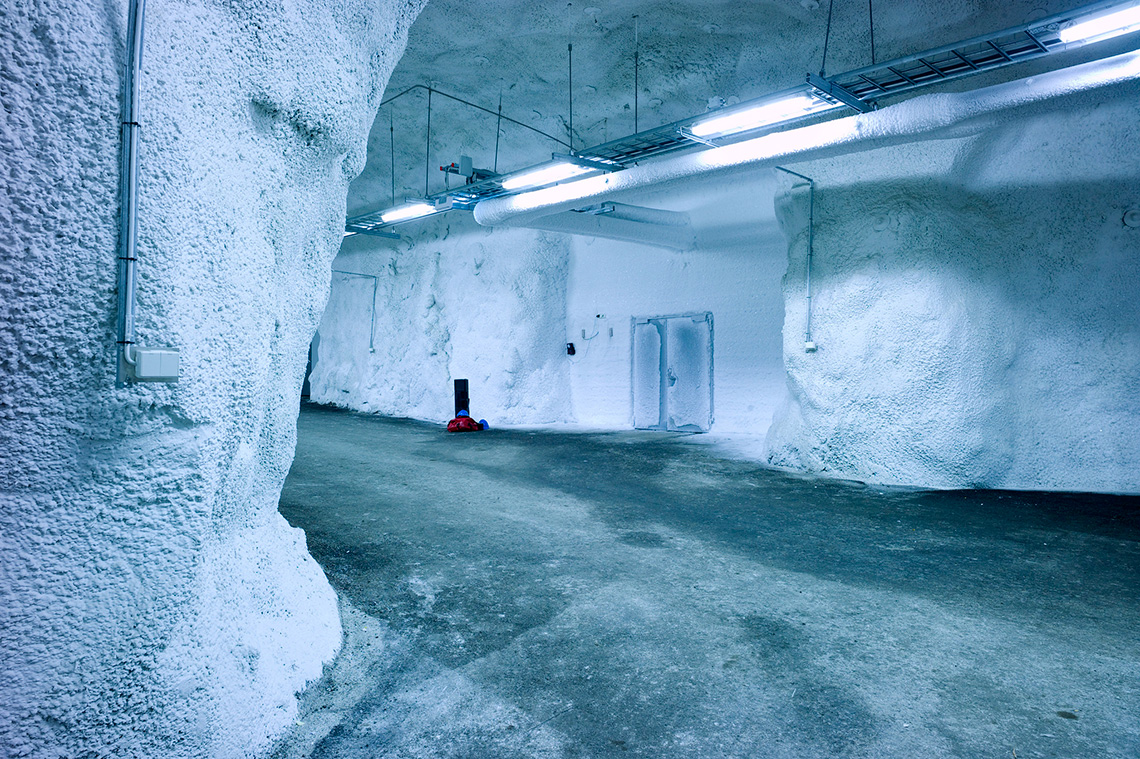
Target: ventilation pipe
x=134 y=363
x=672 y=236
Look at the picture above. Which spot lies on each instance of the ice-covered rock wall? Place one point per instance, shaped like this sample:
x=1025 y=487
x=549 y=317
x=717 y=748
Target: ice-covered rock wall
x=975 y=308
x=154 y=601
x=452 y=300
x=970 y=315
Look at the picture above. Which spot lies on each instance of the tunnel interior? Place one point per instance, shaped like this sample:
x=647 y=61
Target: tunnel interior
x=803 y=334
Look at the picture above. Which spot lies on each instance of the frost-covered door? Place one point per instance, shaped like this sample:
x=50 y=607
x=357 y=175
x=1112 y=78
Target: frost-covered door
x=648 y=401
x=688 y=373
x=672 y=372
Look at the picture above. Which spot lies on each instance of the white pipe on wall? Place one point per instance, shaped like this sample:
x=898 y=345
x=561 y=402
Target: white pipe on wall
x=128 y=190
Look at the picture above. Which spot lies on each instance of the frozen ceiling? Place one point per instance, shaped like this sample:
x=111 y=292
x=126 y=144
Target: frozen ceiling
x=694 y=55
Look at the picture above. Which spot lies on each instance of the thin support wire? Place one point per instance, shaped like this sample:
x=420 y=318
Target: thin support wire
x=498 y=128
x=871 y=24
x=468 y=103
x=826 y=38
x=636 y=66
x=570 y=59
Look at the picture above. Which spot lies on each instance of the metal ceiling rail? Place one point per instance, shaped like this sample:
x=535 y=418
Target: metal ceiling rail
x=859 y=90
x=973 y=56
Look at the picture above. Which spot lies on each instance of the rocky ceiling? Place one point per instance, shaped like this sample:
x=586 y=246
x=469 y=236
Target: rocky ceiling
x=693 y=55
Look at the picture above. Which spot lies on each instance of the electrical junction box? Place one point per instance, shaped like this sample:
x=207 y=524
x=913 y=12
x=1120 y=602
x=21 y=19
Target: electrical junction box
x=156 y=365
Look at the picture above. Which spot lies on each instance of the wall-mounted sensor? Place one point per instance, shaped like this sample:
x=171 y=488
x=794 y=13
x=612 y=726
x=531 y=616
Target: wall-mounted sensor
x=570 y=349
x=809 y=347
x=1132 y=218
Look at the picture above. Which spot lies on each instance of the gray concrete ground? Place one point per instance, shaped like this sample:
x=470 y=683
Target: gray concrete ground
x=546 y=594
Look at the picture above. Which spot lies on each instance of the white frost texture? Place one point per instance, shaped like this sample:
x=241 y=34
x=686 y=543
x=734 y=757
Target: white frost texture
x=974 y=306
x=486 y=307
x=155 y=604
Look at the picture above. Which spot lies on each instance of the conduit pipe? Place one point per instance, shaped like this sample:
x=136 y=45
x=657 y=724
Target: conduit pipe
x=809 y=344
x=128 y=190
x=926 y=117
x=372 y=320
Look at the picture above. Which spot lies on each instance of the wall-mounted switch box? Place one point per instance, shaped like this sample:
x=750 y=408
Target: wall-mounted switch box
x=156 y=364
x=810 y=347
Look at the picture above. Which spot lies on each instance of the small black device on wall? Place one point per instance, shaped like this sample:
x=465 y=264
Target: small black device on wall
x=570 y=349
x=462 y=399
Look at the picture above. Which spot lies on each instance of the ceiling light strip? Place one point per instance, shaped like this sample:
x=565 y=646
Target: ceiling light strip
x=1090 y=23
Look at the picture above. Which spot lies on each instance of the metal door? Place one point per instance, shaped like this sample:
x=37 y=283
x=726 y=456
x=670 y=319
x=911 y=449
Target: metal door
x=673 y=372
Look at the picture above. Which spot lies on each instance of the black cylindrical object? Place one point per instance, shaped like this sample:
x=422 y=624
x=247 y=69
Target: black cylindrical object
x=462 y=399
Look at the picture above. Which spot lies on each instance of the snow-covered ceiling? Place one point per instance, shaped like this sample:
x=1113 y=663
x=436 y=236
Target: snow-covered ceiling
x=694 y=54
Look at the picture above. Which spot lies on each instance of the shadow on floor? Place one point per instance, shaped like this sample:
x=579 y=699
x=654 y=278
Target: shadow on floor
x=546 y=594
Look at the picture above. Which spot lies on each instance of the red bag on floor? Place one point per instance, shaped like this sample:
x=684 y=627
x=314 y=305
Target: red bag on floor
x=463 y=424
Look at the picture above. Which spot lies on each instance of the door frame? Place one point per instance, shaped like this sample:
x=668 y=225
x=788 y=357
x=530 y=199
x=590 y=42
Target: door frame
x=660 y=322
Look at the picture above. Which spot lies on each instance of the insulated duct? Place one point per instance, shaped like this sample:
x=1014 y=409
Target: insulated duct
x=677 y=234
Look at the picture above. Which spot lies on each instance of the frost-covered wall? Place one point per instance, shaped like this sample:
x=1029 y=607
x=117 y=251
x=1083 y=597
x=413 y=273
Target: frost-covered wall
x=453 y=300
x=972 y=310
x=154 y=602
x=497 y=306
x=975 y=308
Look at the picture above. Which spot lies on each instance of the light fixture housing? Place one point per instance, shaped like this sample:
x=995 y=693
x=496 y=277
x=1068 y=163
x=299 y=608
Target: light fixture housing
x=1110 y=23
x=785 y=107
x=544 y=175
x=406 y=212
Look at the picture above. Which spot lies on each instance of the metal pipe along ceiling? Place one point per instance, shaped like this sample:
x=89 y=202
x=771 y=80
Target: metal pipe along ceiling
x=926 y=117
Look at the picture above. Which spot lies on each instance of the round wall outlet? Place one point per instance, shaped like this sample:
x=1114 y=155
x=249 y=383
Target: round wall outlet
x=1132 y=218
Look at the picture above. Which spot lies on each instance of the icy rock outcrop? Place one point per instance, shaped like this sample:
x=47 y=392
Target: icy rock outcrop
x=452 y=300
x=975 y=309
x=154 y=601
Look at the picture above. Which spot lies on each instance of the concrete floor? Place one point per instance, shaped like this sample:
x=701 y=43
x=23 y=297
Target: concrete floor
x=545 y=594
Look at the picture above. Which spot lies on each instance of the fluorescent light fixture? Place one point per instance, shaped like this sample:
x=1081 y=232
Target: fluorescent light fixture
x=1103 y=25
x=405 y=212
x=766 y=114
x=546 y=175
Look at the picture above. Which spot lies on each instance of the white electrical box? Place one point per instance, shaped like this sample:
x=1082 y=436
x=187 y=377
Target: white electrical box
x=156 y=364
